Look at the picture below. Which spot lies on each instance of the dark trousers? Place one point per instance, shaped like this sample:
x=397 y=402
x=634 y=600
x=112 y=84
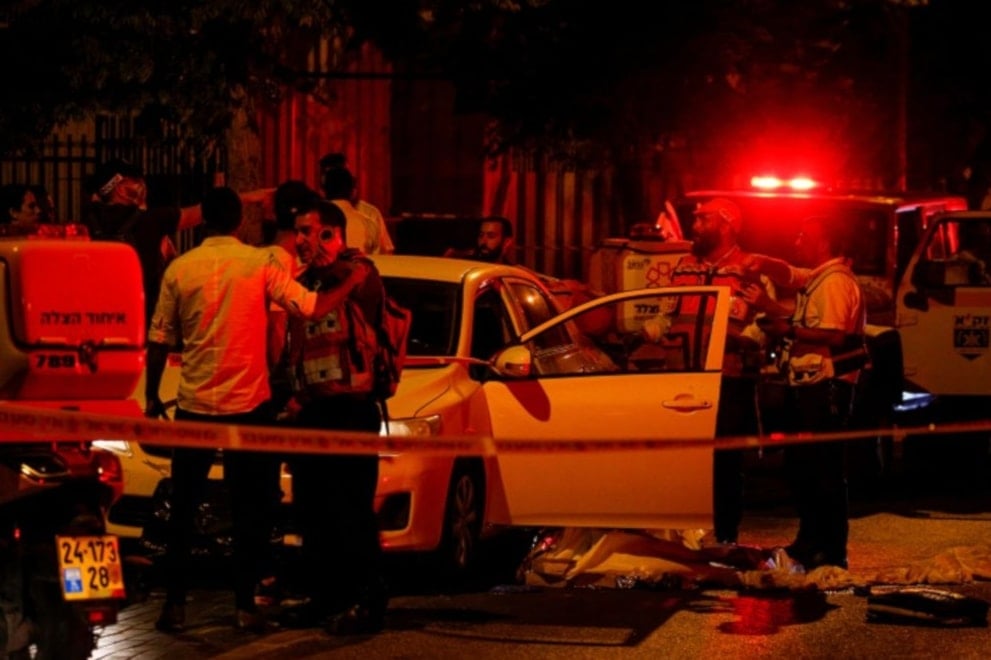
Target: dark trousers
x=817 y=471
x=334 y=508
x=252 y=480
x=737 y=415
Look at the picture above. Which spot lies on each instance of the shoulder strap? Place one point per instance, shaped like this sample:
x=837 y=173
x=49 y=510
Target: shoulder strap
x=829 y=270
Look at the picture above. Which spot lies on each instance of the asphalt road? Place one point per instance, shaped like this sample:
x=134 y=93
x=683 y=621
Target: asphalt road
x=917 y=513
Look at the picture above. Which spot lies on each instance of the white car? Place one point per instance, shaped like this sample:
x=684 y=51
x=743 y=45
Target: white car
x=490 y=355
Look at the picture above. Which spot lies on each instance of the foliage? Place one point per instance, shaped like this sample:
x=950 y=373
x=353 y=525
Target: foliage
x=580 y=79
x=192 y=62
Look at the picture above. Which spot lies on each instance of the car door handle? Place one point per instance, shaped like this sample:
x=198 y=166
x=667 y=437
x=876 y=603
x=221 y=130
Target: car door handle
x=905 y=319
x=686 y=403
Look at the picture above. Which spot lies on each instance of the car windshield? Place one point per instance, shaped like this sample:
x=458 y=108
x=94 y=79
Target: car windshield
x=436 y=313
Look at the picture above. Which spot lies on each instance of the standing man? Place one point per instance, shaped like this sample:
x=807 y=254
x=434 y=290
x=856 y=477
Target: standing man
x=213 y=303
x=119 y=210
x=717 y=258
x=339 y=160
x=823 y=351
x=334 y=495
x=364 y=233
x=291 y=198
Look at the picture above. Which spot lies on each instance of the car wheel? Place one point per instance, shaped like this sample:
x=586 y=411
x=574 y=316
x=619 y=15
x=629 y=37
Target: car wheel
x=463 y=513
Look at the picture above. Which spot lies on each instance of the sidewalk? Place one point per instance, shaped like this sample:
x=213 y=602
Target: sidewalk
x=211 y=632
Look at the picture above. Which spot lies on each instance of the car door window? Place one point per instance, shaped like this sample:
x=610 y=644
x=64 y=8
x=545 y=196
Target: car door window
x=537 y=308
x=491 y=327
x=667 y=333
x=434 y=305
x=957 y=254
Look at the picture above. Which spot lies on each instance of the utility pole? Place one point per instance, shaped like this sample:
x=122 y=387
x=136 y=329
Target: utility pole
x=901 y=112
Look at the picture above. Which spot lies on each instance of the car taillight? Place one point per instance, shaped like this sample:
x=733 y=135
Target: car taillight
x=110 y=470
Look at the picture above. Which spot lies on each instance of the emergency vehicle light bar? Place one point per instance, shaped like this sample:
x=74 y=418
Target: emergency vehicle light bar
x=45 y=230
x=798 y=183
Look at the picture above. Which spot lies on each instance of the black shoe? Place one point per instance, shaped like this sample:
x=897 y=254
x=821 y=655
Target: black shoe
x=172 y=619
x=306 y=614
x=359 y=619
x=250 y=621
x=818 y=559
x=811 y=559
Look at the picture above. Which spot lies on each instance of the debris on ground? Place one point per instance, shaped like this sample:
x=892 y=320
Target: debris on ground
x=579 y=557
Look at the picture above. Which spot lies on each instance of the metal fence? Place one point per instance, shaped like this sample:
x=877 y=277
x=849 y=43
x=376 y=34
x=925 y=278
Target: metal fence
x=175 y=173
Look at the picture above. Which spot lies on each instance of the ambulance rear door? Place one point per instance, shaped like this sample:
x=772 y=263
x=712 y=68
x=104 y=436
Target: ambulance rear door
x=944 y=307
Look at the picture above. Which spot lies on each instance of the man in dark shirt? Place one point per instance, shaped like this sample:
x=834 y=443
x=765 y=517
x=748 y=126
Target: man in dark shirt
x=119 y=211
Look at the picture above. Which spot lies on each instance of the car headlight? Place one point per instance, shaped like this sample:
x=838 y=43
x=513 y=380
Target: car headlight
x=415 y=427
x=116 y=446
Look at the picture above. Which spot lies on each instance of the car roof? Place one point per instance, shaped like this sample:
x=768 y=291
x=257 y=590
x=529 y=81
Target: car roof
x=442 y=269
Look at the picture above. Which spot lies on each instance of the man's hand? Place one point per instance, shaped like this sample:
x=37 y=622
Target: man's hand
x=756 y=296
x=154 y=408
x=753 y=263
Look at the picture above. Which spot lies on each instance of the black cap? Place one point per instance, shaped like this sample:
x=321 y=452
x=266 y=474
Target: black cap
x=291 y=198
x=333 y=159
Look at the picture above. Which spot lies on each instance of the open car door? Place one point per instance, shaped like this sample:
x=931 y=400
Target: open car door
x=604 y=416
x=944 y=308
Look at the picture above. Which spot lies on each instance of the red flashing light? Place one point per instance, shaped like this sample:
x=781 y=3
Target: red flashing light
x=798 y=183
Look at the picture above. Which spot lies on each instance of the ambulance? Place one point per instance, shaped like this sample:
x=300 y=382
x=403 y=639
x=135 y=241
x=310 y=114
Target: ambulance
x=929 y=311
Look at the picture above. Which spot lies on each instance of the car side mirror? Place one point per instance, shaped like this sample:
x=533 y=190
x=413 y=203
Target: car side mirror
x=513 y=362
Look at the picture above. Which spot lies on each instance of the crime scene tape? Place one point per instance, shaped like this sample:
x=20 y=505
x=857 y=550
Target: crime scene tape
x=24 y=423
x=20 y=423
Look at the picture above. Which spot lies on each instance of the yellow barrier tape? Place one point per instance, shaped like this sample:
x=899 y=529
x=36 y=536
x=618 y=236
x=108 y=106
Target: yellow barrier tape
x=36 y=424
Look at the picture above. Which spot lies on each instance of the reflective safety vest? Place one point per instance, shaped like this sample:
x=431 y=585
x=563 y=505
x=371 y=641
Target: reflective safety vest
x=742 y=355
x=339 y=353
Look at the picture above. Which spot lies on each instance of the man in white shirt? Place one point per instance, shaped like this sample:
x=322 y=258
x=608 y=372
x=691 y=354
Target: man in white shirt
x=339 y=184
x=823 y=350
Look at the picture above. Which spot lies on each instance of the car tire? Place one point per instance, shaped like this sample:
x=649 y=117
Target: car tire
x=464 y=509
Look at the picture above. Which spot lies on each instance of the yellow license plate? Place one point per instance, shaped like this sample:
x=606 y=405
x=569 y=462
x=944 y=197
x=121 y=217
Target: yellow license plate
x=90 y=567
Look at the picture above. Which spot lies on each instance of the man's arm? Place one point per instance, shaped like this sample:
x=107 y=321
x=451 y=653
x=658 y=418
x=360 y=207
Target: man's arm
x=295 y=298
x=782 y=327
x=158 y=355
x=329 y=300
x=779 y=271
x=191 y=216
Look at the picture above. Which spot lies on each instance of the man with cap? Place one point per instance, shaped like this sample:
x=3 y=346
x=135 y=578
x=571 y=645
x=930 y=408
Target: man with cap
x=716 y=258
x=118 y=210
x=823 y=349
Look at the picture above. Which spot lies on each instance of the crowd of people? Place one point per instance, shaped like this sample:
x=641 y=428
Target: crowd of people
x=240 y=314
